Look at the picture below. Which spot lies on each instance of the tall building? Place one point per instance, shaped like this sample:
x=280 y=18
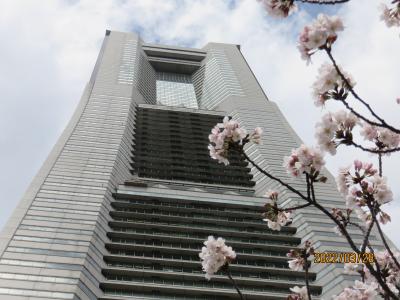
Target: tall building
x=121 y=206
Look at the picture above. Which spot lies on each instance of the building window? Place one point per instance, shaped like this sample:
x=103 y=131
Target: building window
x=175 y=89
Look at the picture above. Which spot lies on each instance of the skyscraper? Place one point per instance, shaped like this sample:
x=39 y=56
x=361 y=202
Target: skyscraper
x=122 y=204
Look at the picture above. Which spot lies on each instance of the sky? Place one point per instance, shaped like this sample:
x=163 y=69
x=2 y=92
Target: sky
x=49 y=48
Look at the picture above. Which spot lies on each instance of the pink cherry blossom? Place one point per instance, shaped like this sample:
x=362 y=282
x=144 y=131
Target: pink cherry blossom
x=360 y=291
x=279 y=8
x=273 y=195
x=255 y=137
x=364 y=188
x=382 y=137
x=329 y=84
x=391 y=16
x=275 y=217
x=304 y=160
x=301 y=293
x=323 y=32
x=214 y=255
x=296 y=264
x=227 y=134
x=389 y=270
x=334 y=129
x=281 y=219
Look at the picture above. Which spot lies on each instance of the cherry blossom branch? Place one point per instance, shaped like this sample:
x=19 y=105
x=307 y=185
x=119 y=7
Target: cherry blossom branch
x=307 y=279
x=375 y=273
x=275 y=178
x=366 y=236
x=375 y=151
x=322 y=2
x=228 y=272
x=342 y=228
x=384 y=240
x=380 y=164
x=351 y=89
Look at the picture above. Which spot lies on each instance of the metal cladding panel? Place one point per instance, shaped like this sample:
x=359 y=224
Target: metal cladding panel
x=53 y=245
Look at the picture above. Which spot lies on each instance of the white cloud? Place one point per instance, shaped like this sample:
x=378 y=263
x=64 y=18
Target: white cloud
x=49 y=50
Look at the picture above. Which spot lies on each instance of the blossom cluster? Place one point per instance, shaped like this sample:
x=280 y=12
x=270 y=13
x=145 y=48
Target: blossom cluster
x=360 y=291
x=321 y=33
x=304 y=160
x=275 y=217
x=330 y=85
x=335 y=129
x=391 y=16
x=300 y=293
x=369 y=289
x=343 y=216
x=382 y=137
x=299 y=257
x=228 y=134
x=214 y=255
x=388 y=269
x=364 y=189
x=279 y=8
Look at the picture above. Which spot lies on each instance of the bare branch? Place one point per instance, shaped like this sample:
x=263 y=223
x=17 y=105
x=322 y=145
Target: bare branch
x=375 y=151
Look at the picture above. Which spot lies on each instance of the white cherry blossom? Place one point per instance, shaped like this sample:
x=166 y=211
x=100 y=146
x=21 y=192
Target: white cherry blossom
x=391 y=16
x=301 y=292
x=360 y=291
x=329 y=84
x=304 y=159
x=382 y=137
x=320 y=33
x=226 y=134
x=214 y=255
x=334 y=129
x=280 y=219
x=279 y=8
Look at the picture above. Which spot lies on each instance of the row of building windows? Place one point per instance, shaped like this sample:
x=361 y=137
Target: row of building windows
x=196 y=206
x=233 y=228
x=177 y=256
x=247 y=274
x=166 y=233
x=186 y=246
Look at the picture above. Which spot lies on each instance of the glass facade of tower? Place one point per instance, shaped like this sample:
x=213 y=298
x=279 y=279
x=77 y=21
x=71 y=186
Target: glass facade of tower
x=174 y=89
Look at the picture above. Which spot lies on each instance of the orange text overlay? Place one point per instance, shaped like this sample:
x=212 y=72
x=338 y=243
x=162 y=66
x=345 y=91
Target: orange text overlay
x=343 y=257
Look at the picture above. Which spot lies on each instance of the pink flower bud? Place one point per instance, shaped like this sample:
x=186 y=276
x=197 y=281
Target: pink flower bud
x=358 y=165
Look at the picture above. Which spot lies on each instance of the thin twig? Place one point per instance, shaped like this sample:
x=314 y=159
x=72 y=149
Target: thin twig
x=381 y=120
x=307 y=280
x=275 y=178
x=234 y=283
x=385 y=242
x=375 y=151
x=366 y=236
x=380 y=164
